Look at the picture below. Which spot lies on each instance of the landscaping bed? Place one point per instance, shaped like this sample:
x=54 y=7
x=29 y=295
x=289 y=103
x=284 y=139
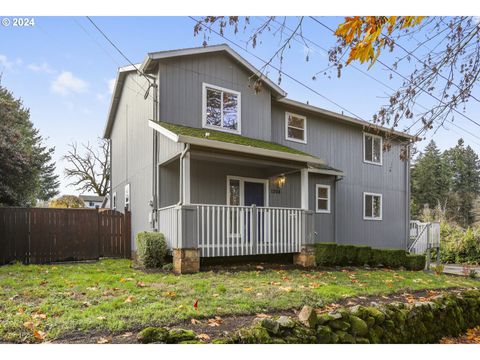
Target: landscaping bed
x=45 y=302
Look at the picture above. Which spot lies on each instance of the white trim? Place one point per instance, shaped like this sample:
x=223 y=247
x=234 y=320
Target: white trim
x=304 y=141
x=365 y=194
x=326 y=171
x=304 y=189
x=322 y=211
x=186 y=178
x=365 y=134
x=204 y=109
x=242 y=180
x=164 y=131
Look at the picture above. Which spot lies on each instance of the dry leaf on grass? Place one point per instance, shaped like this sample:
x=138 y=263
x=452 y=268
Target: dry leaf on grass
x=263 y=316
x=39 y=335
x=203 y=337
x=216 y=321
x=101 y=318
x=129 y=299
x=195 y=321
x=127 y=334
x=29 y=325
x=141 y=284
x=104 y=340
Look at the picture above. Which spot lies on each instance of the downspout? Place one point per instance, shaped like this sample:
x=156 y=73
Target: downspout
x=110 y=172
x=407 y=197
x=155 y=156
x=182 y=156
x=335 y=231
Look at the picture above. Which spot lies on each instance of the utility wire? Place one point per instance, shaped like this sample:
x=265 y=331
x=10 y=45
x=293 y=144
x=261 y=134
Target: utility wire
x=405 y=78
x=371 y=77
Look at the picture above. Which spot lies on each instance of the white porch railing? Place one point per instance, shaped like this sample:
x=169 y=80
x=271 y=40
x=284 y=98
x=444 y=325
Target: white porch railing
x=168 y=224
x=241 y=230
x=423 y=236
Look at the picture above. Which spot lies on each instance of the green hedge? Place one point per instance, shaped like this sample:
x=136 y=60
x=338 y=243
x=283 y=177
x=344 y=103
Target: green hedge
x=151 y=249
x=331 y=254
x=395 y=323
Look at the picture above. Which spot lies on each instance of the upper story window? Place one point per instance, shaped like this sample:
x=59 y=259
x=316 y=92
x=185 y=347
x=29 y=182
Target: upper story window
x=372 y=149
x=221 y=109
x=295 y=127
x=372 y=206
x=323 y=198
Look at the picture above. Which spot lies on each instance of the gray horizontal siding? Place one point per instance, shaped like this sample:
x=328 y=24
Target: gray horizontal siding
x=181 y=92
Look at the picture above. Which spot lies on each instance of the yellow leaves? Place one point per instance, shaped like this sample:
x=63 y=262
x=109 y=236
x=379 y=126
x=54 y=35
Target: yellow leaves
x=249 y=289
x=39 y=335
x=366 y=37
x=287 y=289
x=170 y=294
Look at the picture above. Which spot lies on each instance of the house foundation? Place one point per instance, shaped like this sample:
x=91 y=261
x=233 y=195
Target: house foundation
x=306 y=256
x=186 y=261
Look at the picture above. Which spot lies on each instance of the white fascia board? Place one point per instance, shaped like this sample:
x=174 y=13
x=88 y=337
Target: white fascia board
x=165 y=132
x=326 y=172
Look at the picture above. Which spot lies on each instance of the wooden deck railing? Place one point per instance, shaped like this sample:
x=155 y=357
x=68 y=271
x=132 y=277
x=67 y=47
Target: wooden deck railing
x=423 y=236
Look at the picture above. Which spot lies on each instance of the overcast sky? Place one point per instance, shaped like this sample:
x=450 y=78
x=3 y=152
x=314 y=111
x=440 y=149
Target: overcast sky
x=64 y=70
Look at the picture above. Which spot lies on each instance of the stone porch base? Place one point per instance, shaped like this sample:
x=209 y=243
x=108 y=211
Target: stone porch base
x=306 y=257
x=186 y=261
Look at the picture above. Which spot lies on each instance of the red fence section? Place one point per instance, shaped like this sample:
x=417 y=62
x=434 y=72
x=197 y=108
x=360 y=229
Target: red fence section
x=45 y=235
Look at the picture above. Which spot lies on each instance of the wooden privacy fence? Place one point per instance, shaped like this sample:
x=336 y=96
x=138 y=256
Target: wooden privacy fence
x=45 y=235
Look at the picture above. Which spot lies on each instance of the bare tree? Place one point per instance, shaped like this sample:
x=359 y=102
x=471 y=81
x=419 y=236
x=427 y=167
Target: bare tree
x=444 y=61
x=89 y=167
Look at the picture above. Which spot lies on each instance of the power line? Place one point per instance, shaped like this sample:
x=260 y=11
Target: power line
x=406 y=79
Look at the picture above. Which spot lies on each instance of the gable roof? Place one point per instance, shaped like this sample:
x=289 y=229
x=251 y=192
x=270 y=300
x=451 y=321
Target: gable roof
x=152 y=59
x=280 y=95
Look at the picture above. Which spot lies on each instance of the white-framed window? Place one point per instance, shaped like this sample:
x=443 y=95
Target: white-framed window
x=295 y=128
x=221 y=109
x=372 y=206
x=114 y=201
x=322 y=198
x=236 y=189
x=127 y=196
x=372 y=149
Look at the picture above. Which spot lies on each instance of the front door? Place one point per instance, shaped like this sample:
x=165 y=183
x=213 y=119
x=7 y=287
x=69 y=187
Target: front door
x=254 y=193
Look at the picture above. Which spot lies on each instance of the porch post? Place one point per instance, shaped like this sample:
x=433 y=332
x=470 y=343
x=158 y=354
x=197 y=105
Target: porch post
x=186 y=178
x=304 y=188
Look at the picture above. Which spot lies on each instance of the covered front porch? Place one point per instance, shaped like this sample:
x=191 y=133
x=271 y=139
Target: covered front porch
x=222 y=202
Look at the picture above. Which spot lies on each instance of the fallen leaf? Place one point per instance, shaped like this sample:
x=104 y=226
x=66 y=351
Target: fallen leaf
x=171 y=294
x=39 y=316
x=43 y=282
x=39 y=335
x=141 y=284
x=20 y=311
x=195 y=321
x=104 y=340
x=215 y=295
x=127 y=334
x=216 y=321
x=286 y=289
x=259 y=267
x=263 y=316
x=247 y=289
x=29 y=325
x=129 y=299
x=101 y=318
x=203 y=337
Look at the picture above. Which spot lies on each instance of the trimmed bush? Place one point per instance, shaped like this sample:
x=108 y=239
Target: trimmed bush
x=364 y=255
x=326 y=253
x=331 y=254
x=151 y=249
x=415 y=262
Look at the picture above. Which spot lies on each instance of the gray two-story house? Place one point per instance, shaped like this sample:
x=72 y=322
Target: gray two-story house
x=224 y=167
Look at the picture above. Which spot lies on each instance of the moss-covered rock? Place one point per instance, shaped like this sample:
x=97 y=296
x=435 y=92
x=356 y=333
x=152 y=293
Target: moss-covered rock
x=378 y=315
x=339 y=324
x=358 y=326
x=285 y=322
x=344 y=337
x=360 y=340
x=153 y=335
x=254 y=335
x=176 y=336
x=324 y=334
x=308 y=316
x=270 y=325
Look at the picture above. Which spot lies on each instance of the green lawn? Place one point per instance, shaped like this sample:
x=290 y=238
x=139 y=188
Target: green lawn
x=109 y=295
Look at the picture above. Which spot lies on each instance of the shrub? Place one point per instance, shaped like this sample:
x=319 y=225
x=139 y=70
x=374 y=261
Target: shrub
x=394 y=258
x=348 y=254
x=415 y=262
x=438 y=269
x=377 y=257
x=364 y=255
x=459 y=245
x=151 y=249
x=325 y=254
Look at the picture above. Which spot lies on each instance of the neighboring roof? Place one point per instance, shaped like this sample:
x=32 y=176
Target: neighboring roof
x=91 y=198
x=344 y=118
x=232 y=142
x=151 y=59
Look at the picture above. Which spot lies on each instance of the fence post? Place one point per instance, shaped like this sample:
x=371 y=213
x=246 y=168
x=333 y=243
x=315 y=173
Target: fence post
x=128 y=234
x=254 y=229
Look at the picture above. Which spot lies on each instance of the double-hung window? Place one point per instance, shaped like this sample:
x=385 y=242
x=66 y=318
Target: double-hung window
x=372 y=149
x=221 y=109
x=322 y=198
x=372 y=206
x=296 y=127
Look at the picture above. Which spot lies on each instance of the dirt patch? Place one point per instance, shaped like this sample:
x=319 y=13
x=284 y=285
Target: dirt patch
x=217 y=327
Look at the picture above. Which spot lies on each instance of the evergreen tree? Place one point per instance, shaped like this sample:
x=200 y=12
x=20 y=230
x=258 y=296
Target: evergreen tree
x=430 y=179
x=465 y=167
x=26 y=167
